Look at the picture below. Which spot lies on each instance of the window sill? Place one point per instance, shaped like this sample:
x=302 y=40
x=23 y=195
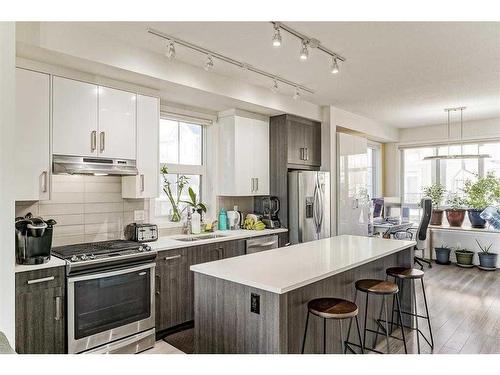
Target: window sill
x=169 y=224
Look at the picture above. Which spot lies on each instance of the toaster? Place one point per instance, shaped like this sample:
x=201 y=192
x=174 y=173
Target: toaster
x=141 y=232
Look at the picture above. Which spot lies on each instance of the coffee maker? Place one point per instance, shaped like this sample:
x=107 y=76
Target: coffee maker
x=33 y=239
x=268 y=207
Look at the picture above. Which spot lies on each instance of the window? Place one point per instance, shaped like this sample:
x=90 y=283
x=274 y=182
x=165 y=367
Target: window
x=374 y=178
x=181 y=151
x=418 y=173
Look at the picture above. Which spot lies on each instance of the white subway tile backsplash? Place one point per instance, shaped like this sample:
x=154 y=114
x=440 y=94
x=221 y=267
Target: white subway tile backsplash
x=48 y=209
x=86 y=208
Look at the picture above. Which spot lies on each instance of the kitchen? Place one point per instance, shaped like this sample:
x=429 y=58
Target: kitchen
x=182 y=195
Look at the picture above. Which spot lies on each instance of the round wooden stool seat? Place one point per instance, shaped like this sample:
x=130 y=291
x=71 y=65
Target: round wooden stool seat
x=405 y=273
x=332 y=308
x=376 y=286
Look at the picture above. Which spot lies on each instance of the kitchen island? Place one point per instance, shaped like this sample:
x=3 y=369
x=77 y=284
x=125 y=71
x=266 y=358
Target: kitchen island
x=257 y=303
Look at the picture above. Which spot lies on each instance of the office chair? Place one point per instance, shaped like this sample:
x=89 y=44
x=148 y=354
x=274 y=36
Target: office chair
x=421 y=234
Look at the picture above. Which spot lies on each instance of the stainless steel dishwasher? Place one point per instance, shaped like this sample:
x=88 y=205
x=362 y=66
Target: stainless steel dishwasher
x=263 y=243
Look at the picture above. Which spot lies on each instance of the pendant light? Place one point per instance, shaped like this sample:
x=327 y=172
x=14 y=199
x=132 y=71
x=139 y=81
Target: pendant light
x=461 y=155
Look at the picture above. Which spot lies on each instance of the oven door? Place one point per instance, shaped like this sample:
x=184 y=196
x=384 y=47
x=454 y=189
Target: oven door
x=109 y=305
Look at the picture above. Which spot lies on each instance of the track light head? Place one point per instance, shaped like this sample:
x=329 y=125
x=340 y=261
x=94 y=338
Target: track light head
x=209 y=64
x=276 y=36
x=296 y=95
x=170 y=52
x=304 y=52
x=334 y=68
x=274 y=87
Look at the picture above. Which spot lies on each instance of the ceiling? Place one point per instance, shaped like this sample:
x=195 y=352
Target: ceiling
x=402 y=74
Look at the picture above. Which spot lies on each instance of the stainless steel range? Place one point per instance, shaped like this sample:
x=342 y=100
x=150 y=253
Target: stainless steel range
x=110 y=289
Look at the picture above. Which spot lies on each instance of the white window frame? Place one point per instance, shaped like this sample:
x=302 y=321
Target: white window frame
x=183 y=169
x=376 y=168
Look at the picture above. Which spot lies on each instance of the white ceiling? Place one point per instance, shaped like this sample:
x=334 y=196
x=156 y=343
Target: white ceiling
x=402 y=74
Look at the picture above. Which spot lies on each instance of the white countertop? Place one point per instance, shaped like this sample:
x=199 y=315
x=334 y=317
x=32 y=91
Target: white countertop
x=170 y=242
x=288 y=268
x=53 y=262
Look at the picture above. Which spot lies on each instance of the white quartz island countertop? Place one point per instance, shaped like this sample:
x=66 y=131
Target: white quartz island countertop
x=285 y=269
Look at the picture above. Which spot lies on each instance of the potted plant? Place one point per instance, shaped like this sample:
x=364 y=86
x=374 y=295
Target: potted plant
x=455 y=213
x=194 y=203
x=464 y=257
x=487 y=260
x=436 y=193
x=479 y=195
x=168 y=186
x=442 y=254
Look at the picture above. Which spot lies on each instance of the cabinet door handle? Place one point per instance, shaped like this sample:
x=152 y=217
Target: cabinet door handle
x=256 y=184
x=93 y=140
x=157 y=285
x=306 y=152
x=302 y=153
x=220 y=252
x=42 y=280
x=142 y=182
x=45 y=176
x=173 y=257
x=58 y=315
x=102 y=141
x=251 y=185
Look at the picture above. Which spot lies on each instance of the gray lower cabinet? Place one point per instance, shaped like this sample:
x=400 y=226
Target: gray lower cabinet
x=40 y=305
x=174 y=302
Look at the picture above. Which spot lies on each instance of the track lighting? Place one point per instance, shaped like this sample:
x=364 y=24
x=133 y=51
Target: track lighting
x=296 y=96
x=170 y=53
x=209 y=64
x=274 y=87
x=334 y=68
x=304 y=52
x=276 y=36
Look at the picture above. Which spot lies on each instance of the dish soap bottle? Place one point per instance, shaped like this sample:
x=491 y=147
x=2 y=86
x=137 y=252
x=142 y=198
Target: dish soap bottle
x=222 y=219
x=195 y=222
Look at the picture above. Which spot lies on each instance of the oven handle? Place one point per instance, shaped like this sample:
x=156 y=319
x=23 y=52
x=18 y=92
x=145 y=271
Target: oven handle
x=110 y=273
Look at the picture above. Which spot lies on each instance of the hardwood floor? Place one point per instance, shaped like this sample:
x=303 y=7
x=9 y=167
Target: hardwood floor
x=465 y=312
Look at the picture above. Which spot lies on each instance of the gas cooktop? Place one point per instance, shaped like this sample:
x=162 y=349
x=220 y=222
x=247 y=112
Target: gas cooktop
x=101 y=252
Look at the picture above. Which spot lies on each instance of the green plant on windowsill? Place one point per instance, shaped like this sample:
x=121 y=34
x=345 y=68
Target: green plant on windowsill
x=436 y=193
x=198 y=206
x=181 y=183
x=482 y=193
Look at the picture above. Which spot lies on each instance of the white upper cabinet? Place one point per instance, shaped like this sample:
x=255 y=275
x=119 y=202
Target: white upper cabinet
x=74 y=117
x=146 y=184
x=31 y=159
x=117 y=124
x=243 y=158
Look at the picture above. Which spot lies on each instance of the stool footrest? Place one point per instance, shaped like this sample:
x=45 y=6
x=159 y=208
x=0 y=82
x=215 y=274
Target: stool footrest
x=419 y=331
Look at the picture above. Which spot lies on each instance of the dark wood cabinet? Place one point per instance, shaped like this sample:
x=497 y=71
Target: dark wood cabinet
x=295 y=143
x=174 y=302
x=40 y=311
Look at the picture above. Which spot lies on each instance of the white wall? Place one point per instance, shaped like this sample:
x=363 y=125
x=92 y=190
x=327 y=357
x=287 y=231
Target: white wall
x=7 y=105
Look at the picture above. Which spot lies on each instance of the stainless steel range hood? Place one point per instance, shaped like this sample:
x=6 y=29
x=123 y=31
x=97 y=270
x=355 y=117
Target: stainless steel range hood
x=62 y=164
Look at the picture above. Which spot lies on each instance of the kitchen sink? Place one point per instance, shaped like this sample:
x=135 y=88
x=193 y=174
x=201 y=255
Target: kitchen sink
x=200 y=237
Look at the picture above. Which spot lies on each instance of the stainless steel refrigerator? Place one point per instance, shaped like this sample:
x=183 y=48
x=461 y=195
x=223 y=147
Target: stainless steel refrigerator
x=308 y=206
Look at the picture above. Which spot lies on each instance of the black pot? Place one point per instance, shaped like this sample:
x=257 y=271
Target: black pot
x=488 y=260
x=476 y=221
x=442 y=255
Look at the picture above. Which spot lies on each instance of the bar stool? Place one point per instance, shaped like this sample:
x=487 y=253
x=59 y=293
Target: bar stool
x=400 y=274
x=385 y=289
x=332 y=308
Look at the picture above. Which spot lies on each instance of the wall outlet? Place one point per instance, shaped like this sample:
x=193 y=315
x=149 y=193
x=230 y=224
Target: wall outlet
x=138 y=215
x=255 y=303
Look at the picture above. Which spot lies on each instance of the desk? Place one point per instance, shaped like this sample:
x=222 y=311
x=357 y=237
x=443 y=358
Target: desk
x=384 y=226
x=465 y=236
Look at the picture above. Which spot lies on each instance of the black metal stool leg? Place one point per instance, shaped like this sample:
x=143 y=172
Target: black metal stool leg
x=416 y=314
x=366 y=320
x=324 y=336
x=393 y=305
x=359 y=336
x=350 y=322
x=427 y=313
x=400 y=317
x=374 y=343
x=305 y=334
